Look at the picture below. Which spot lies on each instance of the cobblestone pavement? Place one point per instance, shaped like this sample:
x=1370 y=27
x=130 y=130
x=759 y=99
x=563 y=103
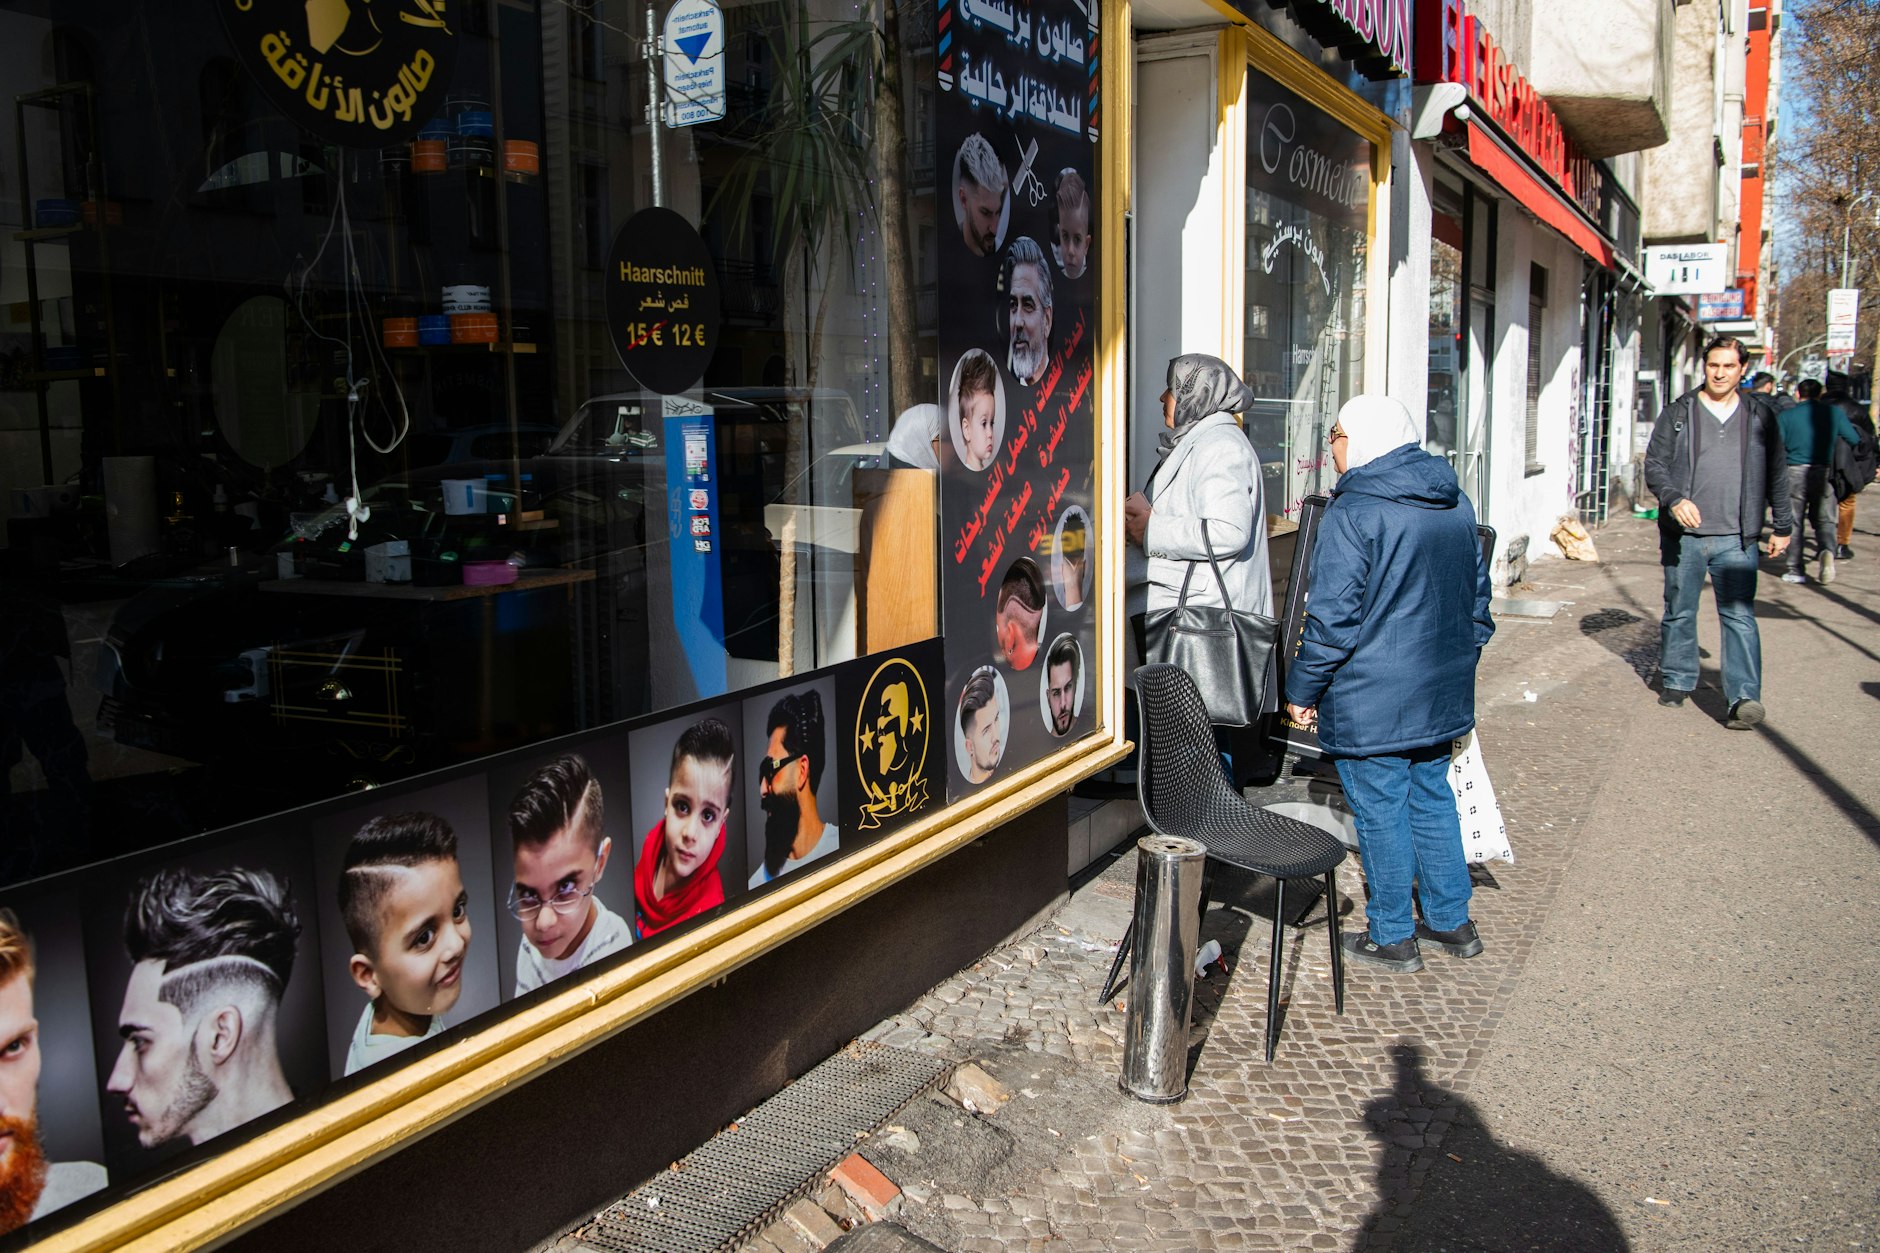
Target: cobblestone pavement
x=1360 y=1133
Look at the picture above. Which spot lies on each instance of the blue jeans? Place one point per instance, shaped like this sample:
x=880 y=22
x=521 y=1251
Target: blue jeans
x=1408 y=833
x=1731 y=565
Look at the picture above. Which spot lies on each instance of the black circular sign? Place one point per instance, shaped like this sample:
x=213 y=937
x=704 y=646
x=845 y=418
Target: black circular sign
x=662 y=301
x=358 y=73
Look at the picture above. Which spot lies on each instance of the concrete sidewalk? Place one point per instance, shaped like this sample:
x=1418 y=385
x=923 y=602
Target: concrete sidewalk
x=1670 y=1042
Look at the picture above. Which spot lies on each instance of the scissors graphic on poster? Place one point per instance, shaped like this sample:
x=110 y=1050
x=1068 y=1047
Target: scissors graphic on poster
x=1025 y=181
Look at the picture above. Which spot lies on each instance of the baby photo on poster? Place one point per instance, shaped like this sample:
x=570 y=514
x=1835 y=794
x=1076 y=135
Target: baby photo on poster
x=407 y=920
x=560 y=840
x=207 y=1010
x=687 y=818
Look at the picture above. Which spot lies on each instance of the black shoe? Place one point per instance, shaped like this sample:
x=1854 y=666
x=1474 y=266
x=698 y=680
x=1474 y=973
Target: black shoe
x=1401 y=957
x=1843 y=553
x=1744 y=714
x=1462 y=942
x=1673 y=697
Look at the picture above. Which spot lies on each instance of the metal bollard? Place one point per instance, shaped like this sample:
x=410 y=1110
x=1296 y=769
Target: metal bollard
x=1162 y=967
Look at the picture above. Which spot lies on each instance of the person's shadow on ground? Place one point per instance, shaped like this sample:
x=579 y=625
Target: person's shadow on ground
x=1444 y=1183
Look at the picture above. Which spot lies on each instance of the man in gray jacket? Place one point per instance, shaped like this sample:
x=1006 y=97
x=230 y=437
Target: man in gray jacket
x=1716 y=462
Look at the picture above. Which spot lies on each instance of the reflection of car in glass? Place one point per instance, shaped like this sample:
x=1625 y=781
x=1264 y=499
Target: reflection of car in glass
x=186 y=664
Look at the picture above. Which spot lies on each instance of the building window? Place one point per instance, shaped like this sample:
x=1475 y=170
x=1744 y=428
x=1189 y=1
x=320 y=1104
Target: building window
x=1308 y=205
x=1537 y=307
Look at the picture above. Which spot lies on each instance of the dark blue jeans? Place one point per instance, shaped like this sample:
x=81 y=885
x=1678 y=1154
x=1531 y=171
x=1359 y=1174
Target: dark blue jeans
x=1408 y=833
x=1731 y=565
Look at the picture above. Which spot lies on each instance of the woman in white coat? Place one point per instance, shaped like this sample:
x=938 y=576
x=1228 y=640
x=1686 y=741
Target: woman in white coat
x=1208 y=472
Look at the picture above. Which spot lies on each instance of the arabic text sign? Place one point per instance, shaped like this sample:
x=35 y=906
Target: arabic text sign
x=695 y=63
x=350 y=74
x=1843 y=316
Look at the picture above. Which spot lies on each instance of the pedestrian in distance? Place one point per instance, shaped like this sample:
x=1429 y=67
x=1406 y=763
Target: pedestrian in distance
x=1854 y=467
x=1764 y=385
x=1810 y=431
x=1717 y=464
x=1396 y=622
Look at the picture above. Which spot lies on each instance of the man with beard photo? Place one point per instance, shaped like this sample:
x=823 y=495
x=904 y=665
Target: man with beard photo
x=1028 y=296
x=29 y=1185
x=1061 y=681
x=211 y=955
x=979 y=195
x=787 y=778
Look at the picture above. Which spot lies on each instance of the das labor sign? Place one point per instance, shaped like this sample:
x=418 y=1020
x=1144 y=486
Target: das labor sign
x=1843 y=316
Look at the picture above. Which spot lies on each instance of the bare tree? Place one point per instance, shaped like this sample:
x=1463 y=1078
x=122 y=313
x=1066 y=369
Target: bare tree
x=1828 y=163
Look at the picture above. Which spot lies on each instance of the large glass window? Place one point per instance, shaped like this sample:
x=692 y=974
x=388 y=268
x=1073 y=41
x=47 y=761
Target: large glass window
x=234 y=309
x=1308 y=217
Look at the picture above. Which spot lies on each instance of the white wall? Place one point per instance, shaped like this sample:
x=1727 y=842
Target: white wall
x=1520 y=503
x=1179 y=284
x=1407 y=358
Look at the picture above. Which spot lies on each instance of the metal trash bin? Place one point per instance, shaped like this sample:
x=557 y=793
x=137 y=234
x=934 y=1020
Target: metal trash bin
x=1167 y=931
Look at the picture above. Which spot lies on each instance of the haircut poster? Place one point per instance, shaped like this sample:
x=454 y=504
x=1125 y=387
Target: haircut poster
x=1017 y=129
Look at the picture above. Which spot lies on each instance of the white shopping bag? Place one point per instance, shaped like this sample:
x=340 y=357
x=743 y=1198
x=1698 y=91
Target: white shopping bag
x=1484 y=834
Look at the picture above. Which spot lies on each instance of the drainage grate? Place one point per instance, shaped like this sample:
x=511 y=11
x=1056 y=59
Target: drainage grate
x=727 y=1187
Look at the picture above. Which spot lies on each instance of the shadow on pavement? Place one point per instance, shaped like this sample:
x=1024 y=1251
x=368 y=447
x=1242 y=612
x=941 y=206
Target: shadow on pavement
x=1444 y=1183
x=1825 y=783
x=1844 y=602
x=1775 y=609
x=1631 y=637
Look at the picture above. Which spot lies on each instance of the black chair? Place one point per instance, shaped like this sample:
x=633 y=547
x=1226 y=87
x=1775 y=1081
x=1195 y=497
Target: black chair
x=1185 y=793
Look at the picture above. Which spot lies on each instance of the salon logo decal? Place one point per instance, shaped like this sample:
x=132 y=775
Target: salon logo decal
x=359 y=73
x=891 y=735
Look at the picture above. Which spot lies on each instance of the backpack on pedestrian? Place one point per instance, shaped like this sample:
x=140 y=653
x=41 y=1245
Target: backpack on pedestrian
x=1854 y=465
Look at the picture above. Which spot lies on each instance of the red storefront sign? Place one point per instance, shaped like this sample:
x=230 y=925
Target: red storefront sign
x=1453 y=46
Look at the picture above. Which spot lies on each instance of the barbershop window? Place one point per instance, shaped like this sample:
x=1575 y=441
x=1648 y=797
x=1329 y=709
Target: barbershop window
x=1308 y=203
x=323 y=463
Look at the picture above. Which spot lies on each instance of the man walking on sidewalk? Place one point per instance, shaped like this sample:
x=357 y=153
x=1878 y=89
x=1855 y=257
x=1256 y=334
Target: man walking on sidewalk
x=1810 y=431
x=1716 y=461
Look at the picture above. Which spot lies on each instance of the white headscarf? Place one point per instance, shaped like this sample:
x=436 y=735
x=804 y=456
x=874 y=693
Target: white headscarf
x=1373 y=426
x=913 y=435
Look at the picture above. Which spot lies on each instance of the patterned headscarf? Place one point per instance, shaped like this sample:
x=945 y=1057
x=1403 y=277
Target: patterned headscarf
x=1203 y=386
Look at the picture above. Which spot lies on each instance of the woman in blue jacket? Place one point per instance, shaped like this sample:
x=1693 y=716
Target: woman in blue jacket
x=1397 y=617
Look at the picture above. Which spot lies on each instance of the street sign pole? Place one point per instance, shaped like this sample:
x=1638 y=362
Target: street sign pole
x=655 y=101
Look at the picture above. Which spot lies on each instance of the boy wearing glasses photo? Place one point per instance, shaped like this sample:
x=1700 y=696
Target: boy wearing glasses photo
x=402 y=898
x=787 y=778
x=560 y=855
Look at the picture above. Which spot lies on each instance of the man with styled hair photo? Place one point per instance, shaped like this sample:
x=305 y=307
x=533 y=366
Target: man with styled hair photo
x=979 y=724
x=979 y=195
x=1062 y=678
x=560 y=854
x=1018 y=613
x=787 y=778
x=211 y=955
x=1028 y=296
x=30 y=1186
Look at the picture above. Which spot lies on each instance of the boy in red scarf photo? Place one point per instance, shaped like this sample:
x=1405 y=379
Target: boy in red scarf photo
x=677 y=874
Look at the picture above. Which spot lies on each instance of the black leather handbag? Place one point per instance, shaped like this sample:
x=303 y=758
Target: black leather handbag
x=1225 y=650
